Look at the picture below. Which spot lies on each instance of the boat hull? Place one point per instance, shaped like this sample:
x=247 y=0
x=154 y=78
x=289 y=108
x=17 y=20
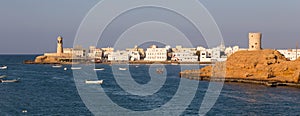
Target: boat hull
x=94 y=82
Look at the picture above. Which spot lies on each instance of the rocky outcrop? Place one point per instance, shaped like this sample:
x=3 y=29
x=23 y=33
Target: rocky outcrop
x=46 y=59
x=267 y=65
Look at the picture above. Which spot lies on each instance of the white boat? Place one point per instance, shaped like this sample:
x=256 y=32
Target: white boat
x=93 y=82
x=3 y=67
x=96 y=69
x=56 y=66
x=75 y=68
x=65 y=68
x=2 y=76
x=9 y=81
x=122 y=68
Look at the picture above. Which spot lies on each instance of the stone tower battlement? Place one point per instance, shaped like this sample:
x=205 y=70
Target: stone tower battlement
x=255 y=41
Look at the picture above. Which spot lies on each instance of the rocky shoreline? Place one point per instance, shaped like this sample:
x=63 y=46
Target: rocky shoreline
x=267 y=67
x=241 y=80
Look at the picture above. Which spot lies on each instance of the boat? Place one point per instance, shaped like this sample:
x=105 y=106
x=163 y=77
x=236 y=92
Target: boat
x=75 y=68
x=122 y=68
x=57 y=66
x=3 y=67
x=2 y=76
x=159 y=71
x=9 y=81
x=93 y=82
x=271 y=84
x=96 y=69
x=24 y=111
x=65 y=68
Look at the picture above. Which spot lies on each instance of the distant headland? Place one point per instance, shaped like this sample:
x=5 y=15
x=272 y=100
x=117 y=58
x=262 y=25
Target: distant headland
x=255 y=65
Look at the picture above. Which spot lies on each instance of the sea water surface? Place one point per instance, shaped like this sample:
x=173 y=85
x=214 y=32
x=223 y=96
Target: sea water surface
x=44 y=90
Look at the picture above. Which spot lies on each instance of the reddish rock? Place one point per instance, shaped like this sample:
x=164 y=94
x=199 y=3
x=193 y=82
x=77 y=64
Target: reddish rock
x=258 y=65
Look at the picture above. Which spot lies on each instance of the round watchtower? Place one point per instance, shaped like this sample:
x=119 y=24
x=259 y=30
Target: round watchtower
x=255 y=41
x=59 y=45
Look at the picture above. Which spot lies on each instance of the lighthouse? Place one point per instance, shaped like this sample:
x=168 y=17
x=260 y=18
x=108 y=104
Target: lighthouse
x=59 y=45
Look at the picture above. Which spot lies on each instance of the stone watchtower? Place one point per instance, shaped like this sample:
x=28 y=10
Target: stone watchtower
x=255 y=41
x=59 y=45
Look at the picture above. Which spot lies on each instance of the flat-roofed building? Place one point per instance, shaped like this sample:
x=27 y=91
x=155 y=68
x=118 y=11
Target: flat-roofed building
x=118 y=56
x=156 y=54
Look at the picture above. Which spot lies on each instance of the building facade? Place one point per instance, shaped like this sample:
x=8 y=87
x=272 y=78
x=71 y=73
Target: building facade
x=184 y=57
x=94 y=52
x=291 y=54
x=156 y=54
x=134 y=55
x=118 y=56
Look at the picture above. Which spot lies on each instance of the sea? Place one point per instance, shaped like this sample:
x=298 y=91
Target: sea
x=44 y=90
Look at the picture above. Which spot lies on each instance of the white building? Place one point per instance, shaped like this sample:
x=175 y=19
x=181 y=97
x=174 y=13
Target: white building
x=156 y=54
x=181 y=54
x=181 y=49
x=218 y=53
x=107 y=51
x=134 y=55
x=118 y=56
x=230 y=50
x=77 y=52
x=290 y=54
x=95 y=52
x=68 y=50
x=205 y=56
x=184 y=57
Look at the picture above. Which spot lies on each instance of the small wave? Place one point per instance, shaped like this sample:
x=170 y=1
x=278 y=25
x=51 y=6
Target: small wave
x=57 y=78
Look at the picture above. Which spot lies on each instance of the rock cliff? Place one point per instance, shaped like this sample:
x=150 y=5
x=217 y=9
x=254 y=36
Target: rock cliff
x=267 y=65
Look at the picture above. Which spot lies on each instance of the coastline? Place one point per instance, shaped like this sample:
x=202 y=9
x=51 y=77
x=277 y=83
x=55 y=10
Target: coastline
x=270 y=83
x=121 y=62
x=268 y=67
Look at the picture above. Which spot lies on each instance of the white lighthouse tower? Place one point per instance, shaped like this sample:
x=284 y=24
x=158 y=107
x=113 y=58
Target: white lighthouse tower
x=59 y=45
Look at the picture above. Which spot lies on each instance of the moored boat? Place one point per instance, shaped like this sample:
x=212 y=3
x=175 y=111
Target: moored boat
x=2 y=76
x=57 y=66
x=122 y=68
x=3 y=67
x=75 y=68
x=94 y=82
x=9 y=81
x=96 y=69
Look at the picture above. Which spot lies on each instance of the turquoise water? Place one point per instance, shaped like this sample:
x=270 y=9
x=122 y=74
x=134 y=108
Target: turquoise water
x=44 y=90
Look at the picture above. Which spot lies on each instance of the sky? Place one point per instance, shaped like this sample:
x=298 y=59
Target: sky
x=32 y=26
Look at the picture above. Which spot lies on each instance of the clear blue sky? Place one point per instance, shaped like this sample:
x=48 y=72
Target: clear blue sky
x=31 y=26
